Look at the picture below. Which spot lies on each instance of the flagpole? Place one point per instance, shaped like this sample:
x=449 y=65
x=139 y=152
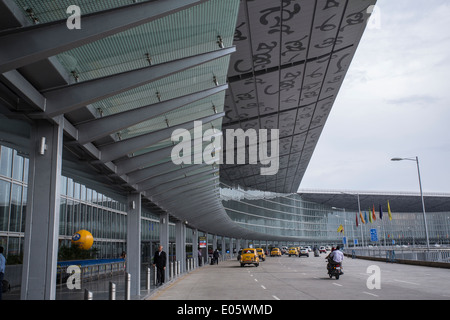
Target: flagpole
x=384 y=229
x=345 y=228
x=359 y=208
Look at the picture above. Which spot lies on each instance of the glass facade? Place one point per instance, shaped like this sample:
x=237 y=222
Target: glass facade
x=104 y=217
x=287 y=216
x=13 y=199
x=311 y=223
x=405 y=228
x=80 y=208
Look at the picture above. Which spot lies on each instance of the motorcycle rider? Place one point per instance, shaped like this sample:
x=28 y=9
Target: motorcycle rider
x=336 y=257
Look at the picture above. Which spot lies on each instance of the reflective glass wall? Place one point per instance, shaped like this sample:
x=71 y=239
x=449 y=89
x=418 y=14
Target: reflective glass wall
x=280 y=215
x=310 y=223
x=80 y=208
x=104 y=217
x=13 y=199
x=405 y=228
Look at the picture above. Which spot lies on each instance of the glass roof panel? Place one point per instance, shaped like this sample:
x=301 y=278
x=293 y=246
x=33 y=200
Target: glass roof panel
x=191 y=112
x=48 y=11
x=183 y=83
x=186 y=33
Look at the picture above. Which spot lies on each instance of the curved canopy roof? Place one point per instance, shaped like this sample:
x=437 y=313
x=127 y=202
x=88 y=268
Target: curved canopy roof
x=291 y=59
x=136 y=72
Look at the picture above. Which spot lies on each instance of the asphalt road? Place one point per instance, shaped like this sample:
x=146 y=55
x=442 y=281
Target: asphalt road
x=305 y=278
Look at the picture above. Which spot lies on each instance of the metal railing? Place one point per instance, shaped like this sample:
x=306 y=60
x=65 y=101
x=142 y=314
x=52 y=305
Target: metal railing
x=91 y=269
x=393 y=254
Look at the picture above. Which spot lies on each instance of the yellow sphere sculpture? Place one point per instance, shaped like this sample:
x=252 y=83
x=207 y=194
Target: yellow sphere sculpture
x=83 y=239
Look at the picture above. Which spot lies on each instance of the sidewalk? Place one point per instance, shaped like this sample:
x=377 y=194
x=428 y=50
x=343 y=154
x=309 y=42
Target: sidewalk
x=202 y=283
x=100 y=288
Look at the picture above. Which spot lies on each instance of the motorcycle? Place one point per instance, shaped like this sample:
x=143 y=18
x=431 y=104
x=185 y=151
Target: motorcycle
x=334 y=269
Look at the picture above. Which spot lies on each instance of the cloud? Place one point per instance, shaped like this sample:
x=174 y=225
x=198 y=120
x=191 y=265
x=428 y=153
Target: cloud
x=394 y=102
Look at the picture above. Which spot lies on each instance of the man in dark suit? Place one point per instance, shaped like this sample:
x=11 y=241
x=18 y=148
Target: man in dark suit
x=159 y=261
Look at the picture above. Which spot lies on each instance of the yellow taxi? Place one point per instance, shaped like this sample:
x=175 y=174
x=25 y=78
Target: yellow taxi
x=275 y=252
x=293 y=251
x=249 y=256
x=261 y=254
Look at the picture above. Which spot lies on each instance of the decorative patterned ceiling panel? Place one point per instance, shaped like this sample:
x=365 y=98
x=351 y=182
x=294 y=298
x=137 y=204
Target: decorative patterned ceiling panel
x=291 y=60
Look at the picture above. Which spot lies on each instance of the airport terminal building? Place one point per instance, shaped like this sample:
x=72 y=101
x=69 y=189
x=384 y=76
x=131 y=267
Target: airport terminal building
x=91 y=95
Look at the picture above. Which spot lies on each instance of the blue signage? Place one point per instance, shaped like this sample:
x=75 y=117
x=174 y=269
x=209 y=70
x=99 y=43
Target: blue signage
x=373 y=235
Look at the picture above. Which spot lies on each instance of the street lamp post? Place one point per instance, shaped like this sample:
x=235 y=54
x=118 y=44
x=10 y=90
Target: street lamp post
x=421 y=195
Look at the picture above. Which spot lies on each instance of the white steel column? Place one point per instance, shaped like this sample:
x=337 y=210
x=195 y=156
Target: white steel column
x=180 y=244
x=42 y=213
x=134 y=242
x=224 y=248
x=164 y=238
x=195 y=246
x=214 y=247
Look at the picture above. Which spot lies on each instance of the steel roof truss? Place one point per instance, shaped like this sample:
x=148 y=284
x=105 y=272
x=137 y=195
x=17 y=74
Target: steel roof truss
x=75 y=96
x=164 y=178
x=18 y=47
x=101 y=127
x=118 y=149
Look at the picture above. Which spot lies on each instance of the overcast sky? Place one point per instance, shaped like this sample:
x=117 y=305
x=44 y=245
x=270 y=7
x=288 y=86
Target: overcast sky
x=395 y=102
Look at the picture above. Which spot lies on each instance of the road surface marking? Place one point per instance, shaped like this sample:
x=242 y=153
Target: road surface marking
x=370 y=294
x=263 y=287
x=276 y=298
x=337 y=284
x=407 y=282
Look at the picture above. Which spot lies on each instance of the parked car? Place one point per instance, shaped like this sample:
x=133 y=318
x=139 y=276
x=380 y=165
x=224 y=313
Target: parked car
x=262 y=255
x=303 y=252
x=293 y=251
x=275 y=252
x=249 y=256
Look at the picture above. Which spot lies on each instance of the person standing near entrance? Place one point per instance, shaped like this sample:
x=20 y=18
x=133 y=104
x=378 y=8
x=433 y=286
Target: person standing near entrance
x=159 y=260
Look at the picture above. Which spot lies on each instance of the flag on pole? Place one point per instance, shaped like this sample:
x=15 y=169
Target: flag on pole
x=381 y=213
x=340 y=229
x=373 y=213
x=365 y=217
x=362 y=219
x=389 y=212
x=357 y=225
